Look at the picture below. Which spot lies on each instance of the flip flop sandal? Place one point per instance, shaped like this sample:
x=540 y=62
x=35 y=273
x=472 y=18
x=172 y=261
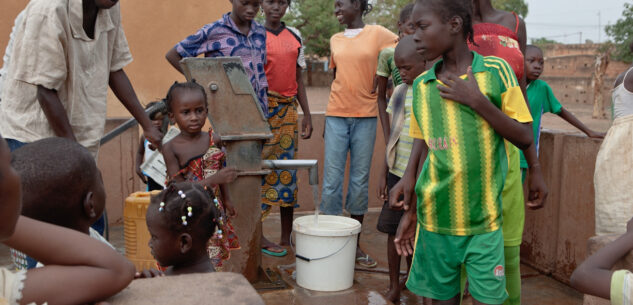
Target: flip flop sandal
x=275 y=254
x=366 y=261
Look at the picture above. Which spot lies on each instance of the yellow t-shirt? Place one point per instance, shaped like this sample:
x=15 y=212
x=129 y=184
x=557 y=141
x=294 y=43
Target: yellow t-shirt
x=356 y=60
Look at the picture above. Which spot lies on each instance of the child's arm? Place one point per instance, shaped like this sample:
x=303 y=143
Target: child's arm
x=406 y=185
x=467 y=92
x=302 y=96
x=140 y=156
x=174 y=58
x=55 y=112
x=593 y=276
x=405 y=236
x=78 y=269
x=382 y=107
x=223 y=176
x=226 y=201
x=572 y=119
x=123 y=90
x=171 y=161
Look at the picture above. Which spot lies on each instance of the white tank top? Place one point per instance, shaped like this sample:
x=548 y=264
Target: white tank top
x=622 y=99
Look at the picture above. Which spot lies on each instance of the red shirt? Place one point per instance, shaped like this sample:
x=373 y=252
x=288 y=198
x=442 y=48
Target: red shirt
x=496 y=40
x=282 y=53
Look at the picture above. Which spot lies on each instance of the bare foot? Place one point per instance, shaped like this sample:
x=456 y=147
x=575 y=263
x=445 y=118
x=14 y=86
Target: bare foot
x=403 y=282
x=393 y=294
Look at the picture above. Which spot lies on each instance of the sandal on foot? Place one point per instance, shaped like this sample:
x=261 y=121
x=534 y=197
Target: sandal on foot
x=281 y=253
x=366 y=261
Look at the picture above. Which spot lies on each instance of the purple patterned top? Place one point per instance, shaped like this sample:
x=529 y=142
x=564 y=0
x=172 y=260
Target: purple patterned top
x=223 y=38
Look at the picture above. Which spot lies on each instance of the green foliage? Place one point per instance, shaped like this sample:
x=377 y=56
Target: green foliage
x=317 y=23
x=540 y=42
x=517 y=6
x=622 y=34
x=386 y=13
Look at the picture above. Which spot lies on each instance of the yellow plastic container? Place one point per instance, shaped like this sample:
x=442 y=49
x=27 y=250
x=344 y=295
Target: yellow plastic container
x=135 y=230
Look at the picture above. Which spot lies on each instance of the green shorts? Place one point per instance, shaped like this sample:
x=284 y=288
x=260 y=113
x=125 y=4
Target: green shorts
x=437 y=264
x=513 y=201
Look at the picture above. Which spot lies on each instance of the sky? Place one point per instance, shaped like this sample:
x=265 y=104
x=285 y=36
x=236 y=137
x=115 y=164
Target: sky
x=572 y=21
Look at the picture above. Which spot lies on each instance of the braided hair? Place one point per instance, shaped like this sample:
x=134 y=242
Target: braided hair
x=448 y=9
x=186 y=207
x=191 y=85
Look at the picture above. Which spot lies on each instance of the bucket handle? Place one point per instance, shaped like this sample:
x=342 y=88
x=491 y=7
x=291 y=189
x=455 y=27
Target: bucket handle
x=307 y=259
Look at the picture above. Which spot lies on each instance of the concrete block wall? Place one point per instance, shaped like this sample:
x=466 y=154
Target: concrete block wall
x=555 y=237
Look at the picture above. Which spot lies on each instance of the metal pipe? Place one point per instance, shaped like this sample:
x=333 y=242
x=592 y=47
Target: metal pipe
x=310 y=165
x=151 y=112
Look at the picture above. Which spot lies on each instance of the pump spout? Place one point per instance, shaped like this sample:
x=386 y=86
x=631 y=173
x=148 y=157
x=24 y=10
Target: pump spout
x=310 y=165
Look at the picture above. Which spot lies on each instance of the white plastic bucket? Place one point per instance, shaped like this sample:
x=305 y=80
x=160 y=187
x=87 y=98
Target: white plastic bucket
x=326 y=252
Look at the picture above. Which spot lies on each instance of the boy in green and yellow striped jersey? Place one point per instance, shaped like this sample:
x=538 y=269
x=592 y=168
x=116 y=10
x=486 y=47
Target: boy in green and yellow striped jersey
x=463 y=109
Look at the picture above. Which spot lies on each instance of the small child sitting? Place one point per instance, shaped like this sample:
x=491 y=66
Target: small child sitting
x=595 y=276
x=62 y=186
x=79 y=269
x=181 y=220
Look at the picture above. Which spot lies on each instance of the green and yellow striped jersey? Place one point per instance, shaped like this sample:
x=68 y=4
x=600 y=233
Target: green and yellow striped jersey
x=459 y=188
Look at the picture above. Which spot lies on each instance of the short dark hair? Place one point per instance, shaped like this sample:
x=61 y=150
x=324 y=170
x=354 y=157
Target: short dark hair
x=191 y=85
x=448 y=9
x=177 y=199
x=531 y=46
x=56 y=175
x=405 y=13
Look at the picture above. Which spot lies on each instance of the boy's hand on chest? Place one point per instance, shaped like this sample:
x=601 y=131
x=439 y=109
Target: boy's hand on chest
x=464 y=91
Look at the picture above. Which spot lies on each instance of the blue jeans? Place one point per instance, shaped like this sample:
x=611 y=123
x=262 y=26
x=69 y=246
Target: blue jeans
x=356 y=136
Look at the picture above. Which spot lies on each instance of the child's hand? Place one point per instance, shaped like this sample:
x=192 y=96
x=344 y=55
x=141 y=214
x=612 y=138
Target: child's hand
x=405 y=236
x=148 y=273
x=403 y=187
x=382 y=184
x=597 y=135
x=139 y=172
x=537 y=189
x=465 y=92
x=226 y=175
x=229 y=209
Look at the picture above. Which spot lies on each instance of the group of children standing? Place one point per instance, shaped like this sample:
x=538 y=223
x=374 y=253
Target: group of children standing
x=452 y=138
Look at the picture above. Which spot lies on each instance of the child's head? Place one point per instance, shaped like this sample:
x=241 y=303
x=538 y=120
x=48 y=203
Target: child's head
x=180 y=220
x=533 y=62
x=441 y=25
x=245 y=10
x=346 y=11
x=275 y=9
x=157 y=118
x=62 y=184
x=409 y=62
x=406 y=26
x=187 y=106
x=10 y=188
